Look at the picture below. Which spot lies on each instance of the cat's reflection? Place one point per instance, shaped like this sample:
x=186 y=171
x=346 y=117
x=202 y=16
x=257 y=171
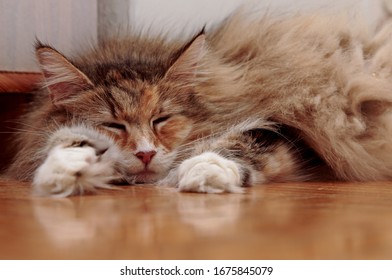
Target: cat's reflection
x=69 y=220
x=211 y=215
x=164 y=222
x=75 y=220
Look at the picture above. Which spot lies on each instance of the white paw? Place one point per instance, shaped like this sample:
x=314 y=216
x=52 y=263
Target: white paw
x=71 y=170
x=209 y=173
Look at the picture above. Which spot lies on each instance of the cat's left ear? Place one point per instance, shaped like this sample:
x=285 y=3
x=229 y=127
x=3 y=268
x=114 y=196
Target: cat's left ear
x=62 y=78
x=185 y=66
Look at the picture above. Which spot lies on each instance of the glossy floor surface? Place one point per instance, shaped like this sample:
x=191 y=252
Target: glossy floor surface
x=282 y=221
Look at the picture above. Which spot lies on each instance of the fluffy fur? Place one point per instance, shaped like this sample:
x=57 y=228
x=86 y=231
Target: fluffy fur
x=317 y=88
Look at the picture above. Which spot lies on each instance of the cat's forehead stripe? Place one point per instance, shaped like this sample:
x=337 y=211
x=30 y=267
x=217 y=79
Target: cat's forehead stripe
x=149 y=99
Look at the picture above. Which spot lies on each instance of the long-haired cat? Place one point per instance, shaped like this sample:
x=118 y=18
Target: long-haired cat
x=252 y=101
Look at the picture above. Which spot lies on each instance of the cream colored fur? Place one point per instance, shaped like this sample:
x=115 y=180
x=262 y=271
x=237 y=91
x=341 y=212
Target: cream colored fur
x=324 y=76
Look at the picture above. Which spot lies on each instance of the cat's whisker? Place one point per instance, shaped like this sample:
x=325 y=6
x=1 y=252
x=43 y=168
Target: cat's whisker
x=25 y=131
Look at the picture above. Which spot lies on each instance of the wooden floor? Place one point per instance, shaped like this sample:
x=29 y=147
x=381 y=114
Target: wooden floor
x=283 y=221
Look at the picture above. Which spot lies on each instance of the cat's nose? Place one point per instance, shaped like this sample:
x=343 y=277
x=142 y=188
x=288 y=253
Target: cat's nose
x=146 y=157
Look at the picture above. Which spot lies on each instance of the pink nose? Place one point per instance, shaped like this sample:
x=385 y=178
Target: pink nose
x=145 y=157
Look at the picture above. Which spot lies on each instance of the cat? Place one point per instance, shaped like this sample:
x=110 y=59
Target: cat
x=250 y=101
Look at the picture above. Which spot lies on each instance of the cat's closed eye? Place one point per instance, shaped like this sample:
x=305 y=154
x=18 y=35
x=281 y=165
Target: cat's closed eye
x=114 y=126
x=155 y=123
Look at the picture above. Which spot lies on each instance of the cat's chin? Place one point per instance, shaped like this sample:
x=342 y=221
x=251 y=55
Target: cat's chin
x=147 y=177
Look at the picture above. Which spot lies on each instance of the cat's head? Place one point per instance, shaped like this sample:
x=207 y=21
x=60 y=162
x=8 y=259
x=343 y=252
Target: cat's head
x=146 y=104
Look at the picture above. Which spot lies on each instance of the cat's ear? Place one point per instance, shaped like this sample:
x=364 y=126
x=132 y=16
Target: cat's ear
x=62 y=78
x=185 y=66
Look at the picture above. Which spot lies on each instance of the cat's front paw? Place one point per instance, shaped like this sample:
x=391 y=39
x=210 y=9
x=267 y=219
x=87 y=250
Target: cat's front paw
x=71 y=170
x=209 y=173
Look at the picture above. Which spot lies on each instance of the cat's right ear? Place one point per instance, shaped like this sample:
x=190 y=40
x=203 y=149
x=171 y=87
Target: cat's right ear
x=186 y=65
x=62 y=78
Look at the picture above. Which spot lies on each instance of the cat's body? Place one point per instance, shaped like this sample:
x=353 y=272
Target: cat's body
x=206 y=116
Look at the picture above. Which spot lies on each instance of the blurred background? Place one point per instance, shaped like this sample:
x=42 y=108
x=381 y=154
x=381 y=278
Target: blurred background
x=70 y=25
